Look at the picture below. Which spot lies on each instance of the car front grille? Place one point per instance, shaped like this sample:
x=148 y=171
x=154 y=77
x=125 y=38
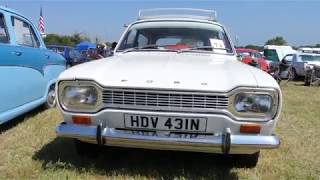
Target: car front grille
x=163 y=100
x=316 y=72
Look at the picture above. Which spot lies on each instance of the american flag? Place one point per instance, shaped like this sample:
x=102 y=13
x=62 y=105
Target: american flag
x=41 y=23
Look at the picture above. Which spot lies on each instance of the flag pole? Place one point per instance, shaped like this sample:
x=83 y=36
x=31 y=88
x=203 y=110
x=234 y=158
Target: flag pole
x=41 y=24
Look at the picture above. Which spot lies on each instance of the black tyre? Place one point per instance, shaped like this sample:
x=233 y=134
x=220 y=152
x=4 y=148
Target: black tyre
x=86 y=149
x=307 y=79
x=292 y=75
x=307 y=82
x=51 y=98
x=247 y=160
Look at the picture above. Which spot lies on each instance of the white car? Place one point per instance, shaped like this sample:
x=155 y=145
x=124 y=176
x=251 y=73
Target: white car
x=174 y=83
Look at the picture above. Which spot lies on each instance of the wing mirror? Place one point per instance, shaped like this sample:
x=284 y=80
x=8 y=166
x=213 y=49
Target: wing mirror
x=114 y=45
x=43 y=36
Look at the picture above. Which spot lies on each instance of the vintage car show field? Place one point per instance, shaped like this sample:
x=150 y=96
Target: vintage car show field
x=30 y=149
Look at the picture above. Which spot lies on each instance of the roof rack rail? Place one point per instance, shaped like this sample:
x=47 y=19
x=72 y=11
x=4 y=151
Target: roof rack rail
x=157 y=13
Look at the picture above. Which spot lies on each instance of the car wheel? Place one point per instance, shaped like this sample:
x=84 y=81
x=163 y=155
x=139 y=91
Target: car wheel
x=292 y=74
x=51 y=98
x=86 y=149
x=247 y=160
x=307 y=80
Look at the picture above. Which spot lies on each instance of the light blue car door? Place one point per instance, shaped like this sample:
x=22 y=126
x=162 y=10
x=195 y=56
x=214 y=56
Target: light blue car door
x=30 y=60
x=10 y=91
x=21 y=75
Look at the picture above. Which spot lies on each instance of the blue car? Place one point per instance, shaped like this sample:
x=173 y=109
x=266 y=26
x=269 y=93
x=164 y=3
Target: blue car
x=66 y=51
x=28 y=70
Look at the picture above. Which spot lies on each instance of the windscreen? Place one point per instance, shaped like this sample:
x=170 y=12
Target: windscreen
x=271 y=55
x=310 y=57
x=171 y=36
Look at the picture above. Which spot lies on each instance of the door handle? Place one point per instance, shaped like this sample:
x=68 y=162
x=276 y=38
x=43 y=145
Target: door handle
x=47 y=56
x=17 y=53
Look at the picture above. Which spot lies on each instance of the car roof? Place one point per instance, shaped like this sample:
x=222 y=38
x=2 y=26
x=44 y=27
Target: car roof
x=52 y=45
x=176 y=19
x=246 y=50
x=177 y=14
x=11 y=11
x=187 y=20
x=310 y=54
x=192 y=13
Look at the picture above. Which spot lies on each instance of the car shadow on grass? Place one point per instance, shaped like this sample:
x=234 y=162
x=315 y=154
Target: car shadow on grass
x=124 y=162
x=20 y=119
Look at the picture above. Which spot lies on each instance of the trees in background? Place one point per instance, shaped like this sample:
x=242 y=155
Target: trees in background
x=255 y=47
x=55 y=39
x=279 y=40
x=72 y=40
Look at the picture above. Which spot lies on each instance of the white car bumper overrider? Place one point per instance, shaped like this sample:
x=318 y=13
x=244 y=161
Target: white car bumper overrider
x=226 y=143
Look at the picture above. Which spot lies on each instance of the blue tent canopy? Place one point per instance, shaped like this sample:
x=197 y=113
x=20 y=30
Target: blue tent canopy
x=85 y=45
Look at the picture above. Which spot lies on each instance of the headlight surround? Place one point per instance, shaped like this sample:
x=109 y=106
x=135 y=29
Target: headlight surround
x=308 y=67
x=77 y=96
x=254 y=105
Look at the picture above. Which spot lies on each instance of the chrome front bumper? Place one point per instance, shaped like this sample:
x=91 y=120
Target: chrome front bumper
x=226 y=143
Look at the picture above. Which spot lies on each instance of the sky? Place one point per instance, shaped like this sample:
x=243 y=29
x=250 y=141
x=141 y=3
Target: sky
x=248 y=21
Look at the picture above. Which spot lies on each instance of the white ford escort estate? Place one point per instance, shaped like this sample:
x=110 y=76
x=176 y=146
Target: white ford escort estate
x=173 y=83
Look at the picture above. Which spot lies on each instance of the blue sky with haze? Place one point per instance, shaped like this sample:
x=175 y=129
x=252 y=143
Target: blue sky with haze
x=252 y=21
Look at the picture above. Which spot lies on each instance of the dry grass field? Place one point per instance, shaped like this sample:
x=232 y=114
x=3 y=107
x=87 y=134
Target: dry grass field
x=29 y=149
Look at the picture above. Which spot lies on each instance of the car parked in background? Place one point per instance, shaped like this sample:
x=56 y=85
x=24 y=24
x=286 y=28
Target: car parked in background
x=300 y=62
x=80 y=57
x=252 y=57
x=28 y=70
x=66 y=51
x=173 y=83
x=309 y=50
x=274 y=55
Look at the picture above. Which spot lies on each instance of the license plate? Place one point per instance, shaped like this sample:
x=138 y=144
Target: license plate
x=168 y=123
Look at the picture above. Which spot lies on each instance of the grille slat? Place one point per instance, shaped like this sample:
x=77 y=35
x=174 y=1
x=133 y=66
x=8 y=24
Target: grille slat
x=147 y=99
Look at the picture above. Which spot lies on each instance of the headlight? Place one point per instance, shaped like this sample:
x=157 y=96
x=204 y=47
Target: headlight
x=255 y=105
x=308 y=67
x=79 y=96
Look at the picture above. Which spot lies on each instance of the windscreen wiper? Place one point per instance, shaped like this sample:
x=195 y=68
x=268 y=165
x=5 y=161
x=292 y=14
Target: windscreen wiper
x=204 y=48
x=150 y=46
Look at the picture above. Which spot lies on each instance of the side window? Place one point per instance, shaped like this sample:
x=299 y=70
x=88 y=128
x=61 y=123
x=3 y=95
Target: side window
x=288 y=58
x=25 y=36
x=4 y=38
x=131 y=38
x=258 y=55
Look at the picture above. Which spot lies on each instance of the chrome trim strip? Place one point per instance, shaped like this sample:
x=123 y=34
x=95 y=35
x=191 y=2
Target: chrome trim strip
x=262 y=117
x=94 y=109
x=210 y=143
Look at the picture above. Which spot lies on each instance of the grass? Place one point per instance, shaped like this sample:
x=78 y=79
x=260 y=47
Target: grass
x=29 y=149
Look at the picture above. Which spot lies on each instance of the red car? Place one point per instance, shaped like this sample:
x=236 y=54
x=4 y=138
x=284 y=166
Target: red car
x=253 y=57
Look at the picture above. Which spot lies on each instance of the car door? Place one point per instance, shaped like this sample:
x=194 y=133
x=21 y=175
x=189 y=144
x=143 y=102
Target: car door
x=299 y=65
x=29 y=61
x=10 y=91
